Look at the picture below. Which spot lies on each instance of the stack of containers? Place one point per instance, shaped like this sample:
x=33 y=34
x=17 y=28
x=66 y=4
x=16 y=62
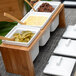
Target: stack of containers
x=52 y=26
x=35 y=27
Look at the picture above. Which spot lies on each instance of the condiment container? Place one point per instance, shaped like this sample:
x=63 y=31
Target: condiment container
x=70 y=32
x=19 y=29
x=45 y=37
x=47 y=17
x=66 y=47
x=53 y=3
x=59 y=66
x=54 y=24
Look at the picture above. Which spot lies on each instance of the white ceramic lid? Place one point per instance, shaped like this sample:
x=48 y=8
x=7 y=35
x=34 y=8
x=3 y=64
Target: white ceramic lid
x=70 y=32
x=66 y=47
x=59 y=66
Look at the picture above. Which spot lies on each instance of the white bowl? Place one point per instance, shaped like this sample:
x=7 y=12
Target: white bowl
x=19 y=29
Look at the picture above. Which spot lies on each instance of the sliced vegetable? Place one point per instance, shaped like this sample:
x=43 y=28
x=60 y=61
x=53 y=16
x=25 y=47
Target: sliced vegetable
x=25 y=36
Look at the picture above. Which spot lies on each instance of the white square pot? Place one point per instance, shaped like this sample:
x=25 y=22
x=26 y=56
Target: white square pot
x=45 y=37
x=19 y=29
x=34 y=51
x=54 y=24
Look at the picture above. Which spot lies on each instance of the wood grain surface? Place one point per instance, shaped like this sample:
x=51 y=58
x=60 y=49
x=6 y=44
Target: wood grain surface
x=14 y=7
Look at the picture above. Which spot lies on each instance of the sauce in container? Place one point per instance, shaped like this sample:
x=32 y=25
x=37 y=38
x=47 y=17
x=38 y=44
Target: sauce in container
x=35 y=20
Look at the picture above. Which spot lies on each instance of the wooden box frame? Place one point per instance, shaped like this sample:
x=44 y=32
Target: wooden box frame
x=14 y=7
x=17 y=58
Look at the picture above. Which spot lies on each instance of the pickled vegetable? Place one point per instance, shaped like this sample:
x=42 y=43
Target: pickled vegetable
x=25 y=36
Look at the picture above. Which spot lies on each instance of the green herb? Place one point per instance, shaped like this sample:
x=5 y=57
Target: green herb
x=5 y=27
